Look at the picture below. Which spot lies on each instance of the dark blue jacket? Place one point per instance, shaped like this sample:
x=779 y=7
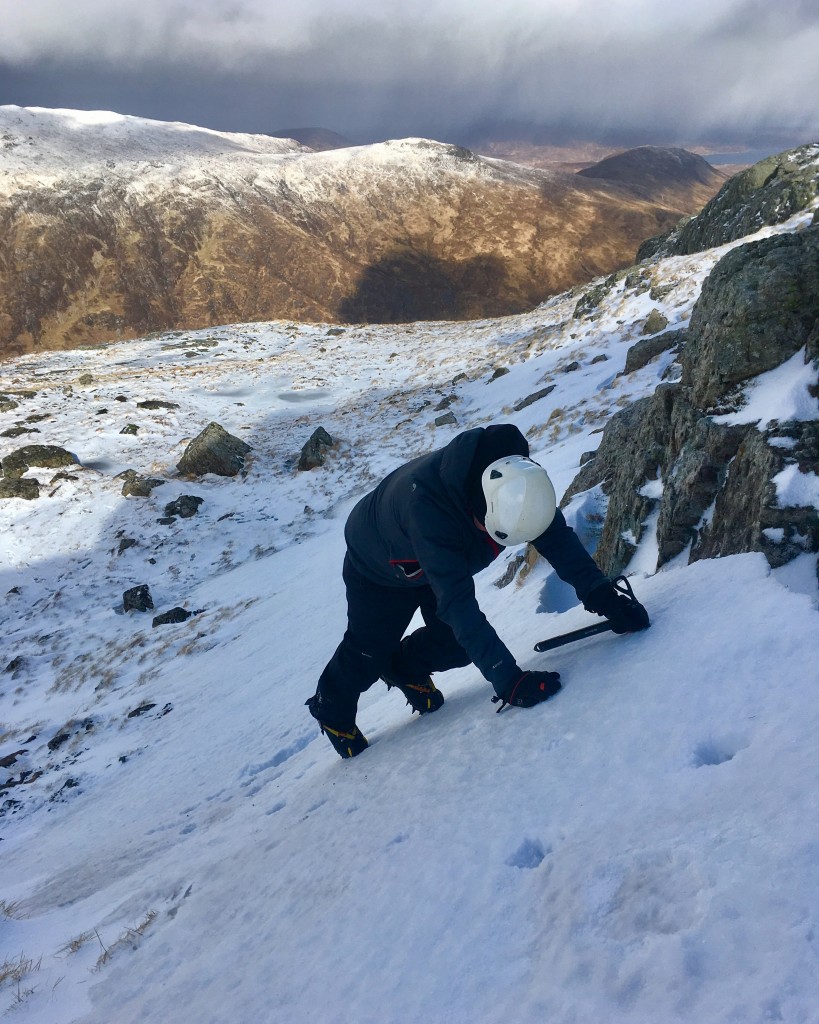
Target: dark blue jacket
x=417 y=529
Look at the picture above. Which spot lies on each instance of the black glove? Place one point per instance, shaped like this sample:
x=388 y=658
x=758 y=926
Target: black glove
x=617 y=602
x=530 y=689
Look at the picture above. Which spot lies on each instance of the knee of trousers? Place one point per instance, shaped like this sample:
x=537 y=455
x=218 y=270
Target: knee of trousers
x=422 y=653
x=357 y=667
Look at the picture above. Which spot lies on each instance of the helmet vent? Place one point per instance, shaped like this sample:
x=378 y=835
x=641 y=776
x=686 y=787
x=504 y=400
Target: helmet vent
x=499 y=533
x=495 y=474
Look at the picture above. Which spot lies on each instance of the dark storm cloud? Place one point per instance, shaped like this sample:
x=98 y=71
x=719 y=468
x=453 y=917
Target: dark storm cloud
x=643 y=69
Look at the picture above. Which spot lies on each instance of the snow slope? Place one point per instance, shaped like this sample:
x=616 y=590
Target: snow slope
x=643 y=848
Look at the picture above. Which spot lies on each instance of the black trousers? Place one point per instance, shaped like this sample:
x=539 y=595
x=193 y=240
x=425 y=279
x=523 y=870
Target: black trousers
x=374 y=644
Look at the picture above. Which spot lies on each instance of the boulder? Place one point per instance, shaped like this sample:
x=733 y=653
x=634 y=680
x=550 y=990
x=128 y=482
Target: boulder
x=136 y=486
x=49 y=456
x=137 y=599
x=640 y=354
x=19 y=431
x=156 y=403
x=170 y=617
x=314 y=453
x=185 y=506
x=536 y=396
x=19 y=487
x=758 y=306
x=655 y=322
x=214 y=451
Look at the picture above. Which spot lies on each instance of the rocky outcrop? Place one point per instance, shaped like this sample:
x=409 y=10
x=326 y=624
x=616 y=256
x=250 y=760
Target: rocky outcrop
x=758 y=306
x=400 y=231
x=768 y=193
x=709 y=484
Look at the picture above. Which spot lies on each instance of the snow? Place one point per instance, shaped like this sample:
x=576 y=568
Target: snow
x=780 y=394
x=40 y=146
x=642 y=848
x=795 y=488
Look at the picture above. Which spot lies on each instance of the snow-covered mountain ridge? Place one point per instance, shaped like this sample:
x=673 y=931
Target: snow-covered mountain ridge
x=179 y=843
x=40 y=145
x=113 y=227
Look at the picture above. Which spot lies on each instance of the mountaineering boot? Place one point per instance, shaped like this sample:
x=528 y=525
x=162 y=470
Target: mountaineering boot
x=347 y=741
x=421 y=697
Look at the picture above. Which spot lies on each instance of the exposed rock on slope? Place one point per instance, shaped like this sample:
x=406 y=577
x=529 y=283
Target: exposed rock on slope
x=759 y=307
x=708 y=480
x=768 y=193
x=115 y=228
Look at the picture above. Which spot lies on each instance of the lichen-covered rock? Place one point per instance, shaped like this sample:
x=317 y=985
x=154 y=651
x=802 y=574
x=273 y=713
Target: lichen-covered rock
x=703 y=485
x=214 y=451
x=136 y=486
x=48 y=456
x=591 y=299
x=661 y=442
x=19 y=487
x=655 y=322
x=314 y=453
x=758 y=306
x=641 y=354
x=157 y=403
x=768 y=193
x=18 y=431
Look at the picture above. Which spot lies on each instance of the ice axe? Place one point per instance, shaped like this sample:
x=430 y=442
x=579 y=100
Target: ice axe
x=622 y=586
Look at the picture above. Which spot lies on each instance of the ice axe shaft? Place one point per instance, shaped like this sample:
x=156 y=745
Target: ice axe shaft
x=622 y=586
x=569 y=638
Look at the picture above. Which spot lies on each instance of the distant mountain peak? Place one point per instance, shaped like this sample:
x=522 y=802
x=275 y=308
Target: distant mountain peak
x=653 y=165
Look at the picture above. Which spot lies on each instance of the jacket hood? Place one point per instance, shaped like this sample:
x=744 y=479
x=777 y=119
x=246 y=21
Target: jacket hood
x=456 y=465
x=466 y=457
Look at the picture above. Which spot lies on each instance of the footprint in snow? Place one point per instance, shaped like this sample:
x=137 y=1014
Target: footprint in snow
x=530 y=854
x=718 y=750
x=278 y=758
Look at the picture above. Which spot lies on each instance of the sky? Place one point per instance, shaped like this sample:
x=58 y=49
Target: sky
x=723 y=73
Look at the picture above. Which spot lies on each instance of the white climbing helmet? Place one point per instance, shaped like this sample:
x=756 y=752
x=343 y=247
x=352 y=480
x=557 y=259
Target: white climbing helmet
x=520 y=500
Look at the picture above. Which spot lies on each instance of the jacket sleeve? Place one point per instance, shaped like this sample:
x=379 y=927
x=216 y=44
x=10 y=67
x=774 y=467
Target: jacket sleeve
x=561 y=547
x=439 y=548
